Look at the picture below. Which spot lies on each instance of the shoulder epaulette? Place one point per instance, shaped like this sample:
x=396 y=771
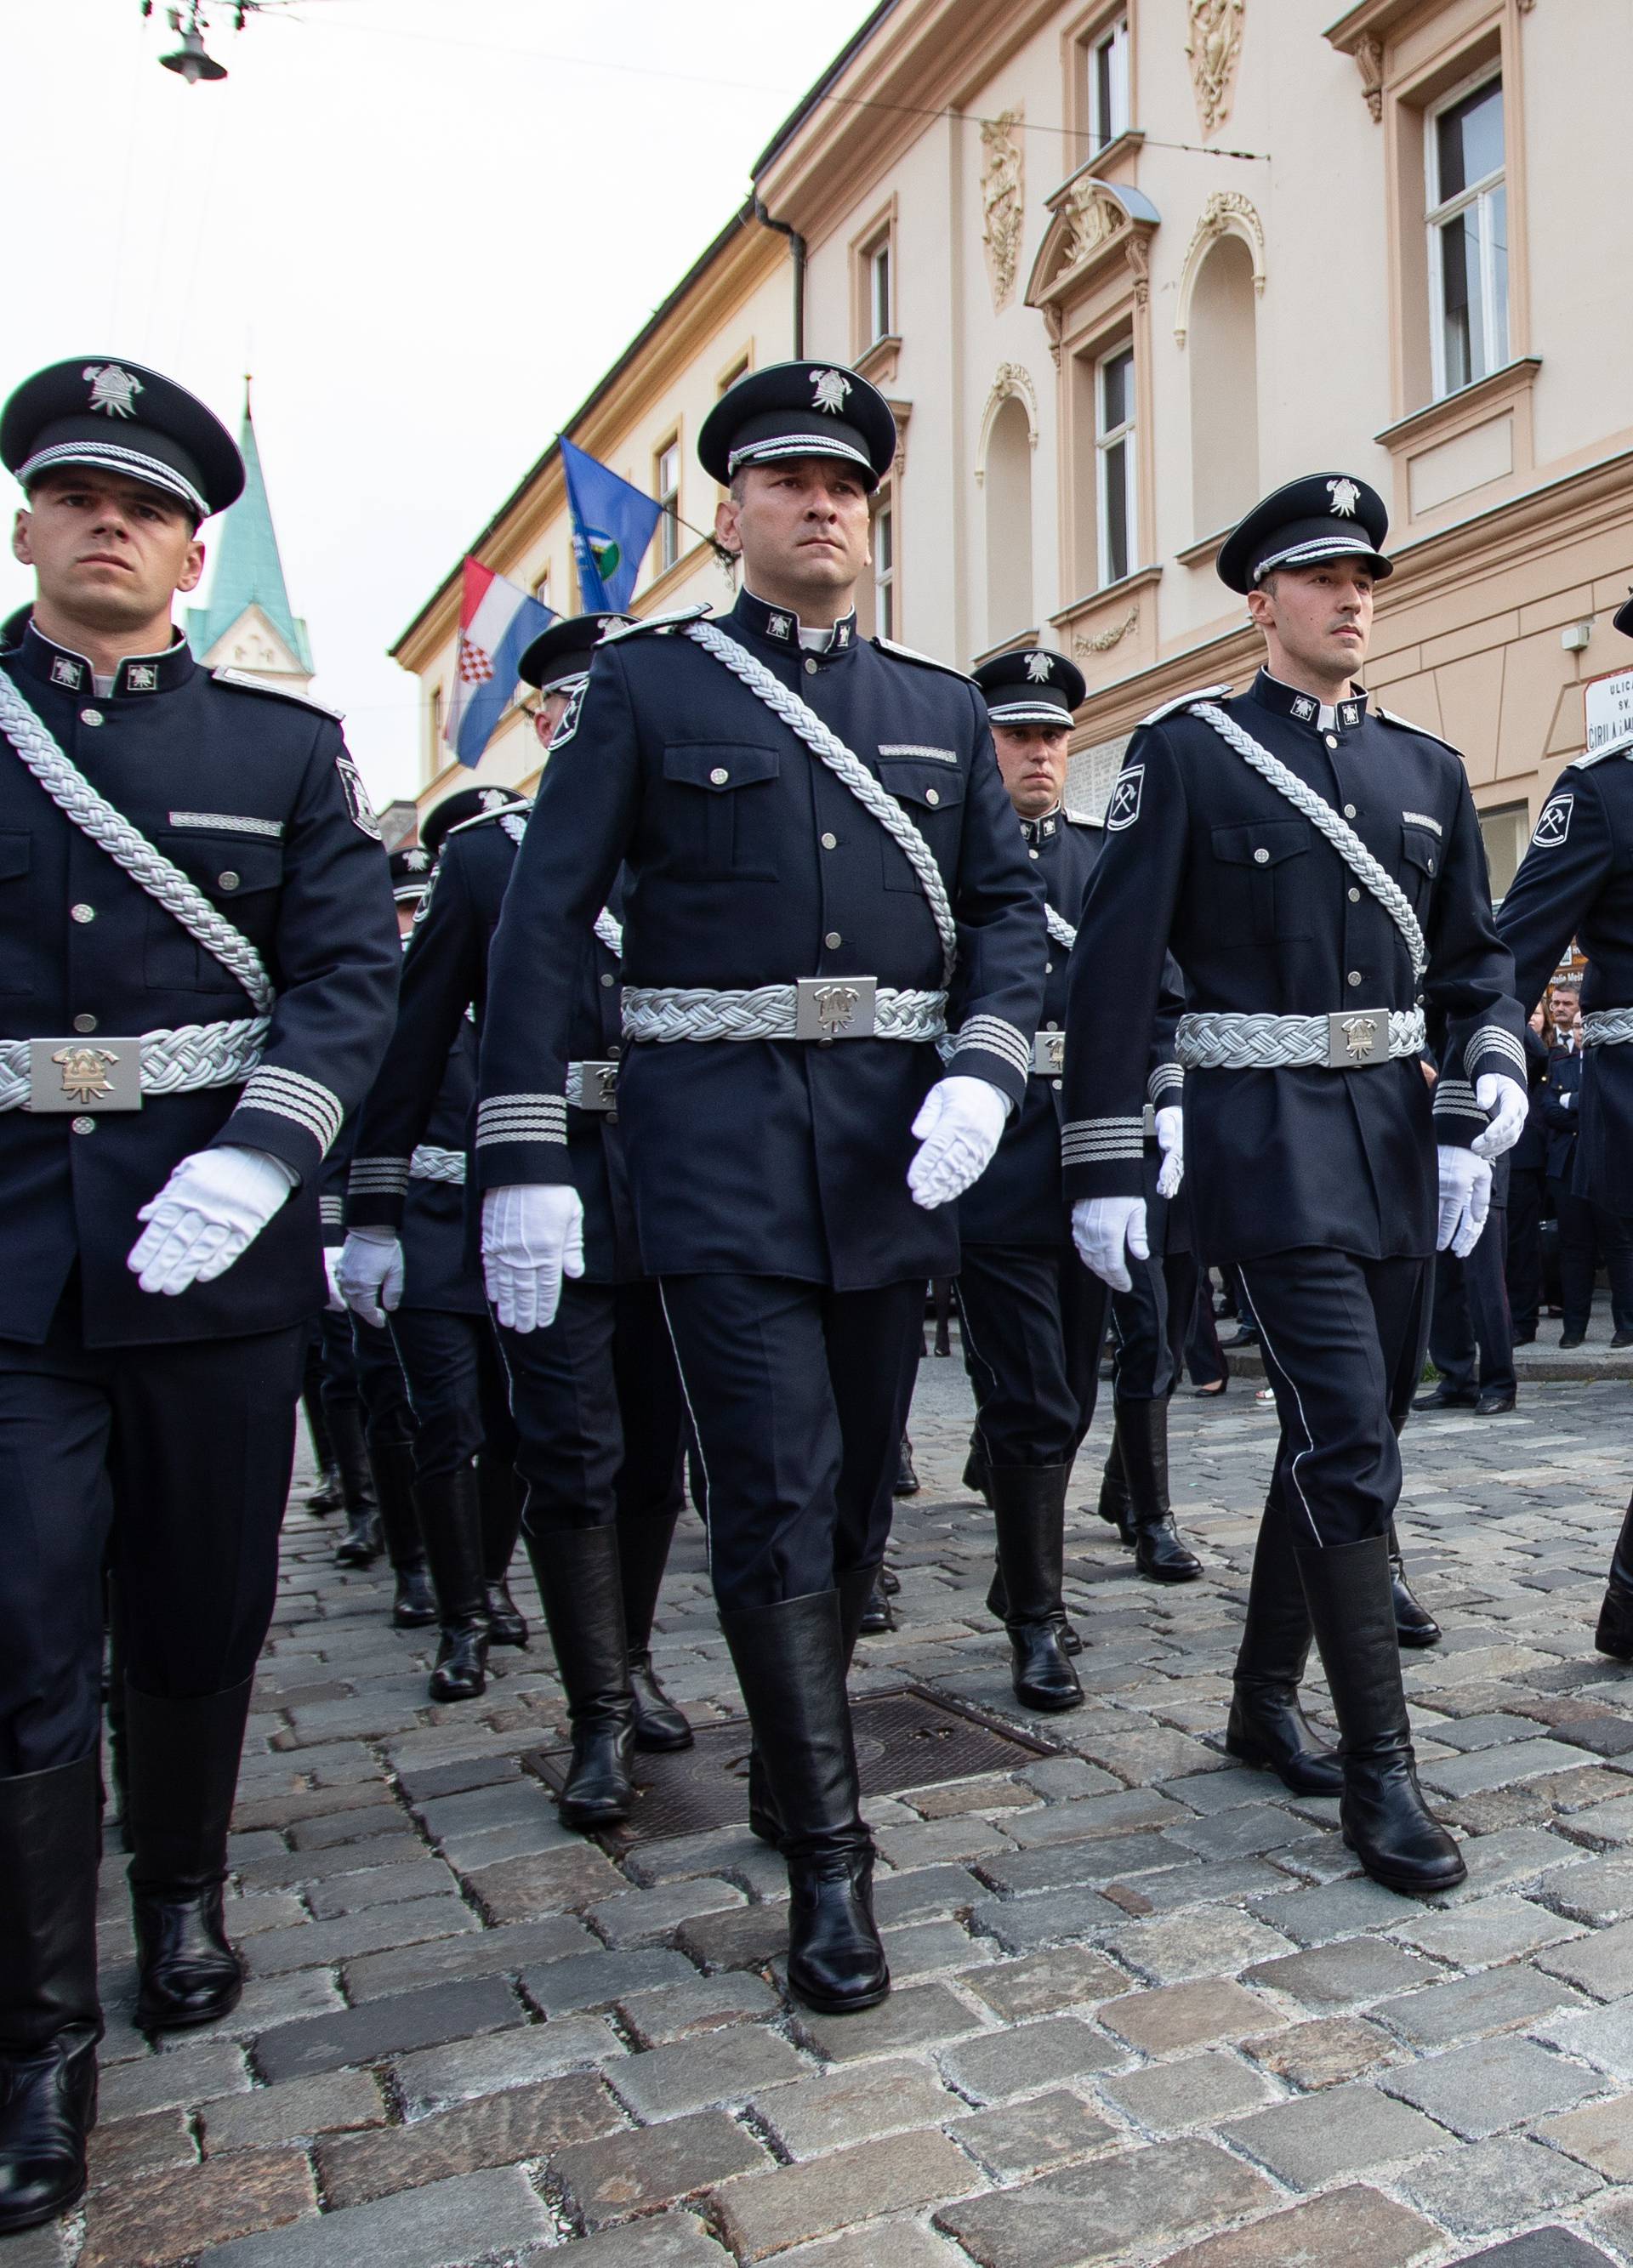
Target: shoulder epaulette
x=489 y=818
x=925 y=660
x=1404 y=724
x=1208 y=693
x=1081 y=818
x=1580 y=763
x=244 y=683
x=654 y=622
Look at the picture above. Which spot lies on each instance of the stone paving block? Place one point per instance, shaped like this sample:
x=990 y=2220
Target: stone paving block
x=1489 y=1767
x=1489 y=2186
x=1499 y=1928
x=1102 y=1860
x=644 y=1917
x=445 y=2224
x=725 y=2066
x=119 y=2149
x=882 y=2244
x=923 y=1894
x=1184 y=2015
x=1061 y=1778
x=1173 y=1950
x=329 y=2104
x=1176 y=1888
x=497 y=2130
x=1352 y=2228
x=1600 y=2135
x=929 y=1948
x=324 y=1865
x=1052 y=1918
x=1084 y=2215
x=36 y=2248
x=1541 y=2247
x=1493 y=2000
x=654 y=2166
x=470 y=1813
x=675 y=2240
x=1603 y=2036
x=1325 y=2052
x=1044 y=1982
x=1028 y=2056
x=351 y=1824
x=1480 y=2089
x=833 y=2110
x=1600 y=1961
x=1347 y=1975
x=521 y=1889
x=381 y=1886
x=748 y=1937
x=1243 y=1832
x=389 y=2027
x=775 y=2210
x=1080 y=1820
x=248 y=1912
x=284 y=1808
x=1343 y=2131
x=596 y=1980
x=320 y=1944
x=183 y=2076
x=432 y=2078
x=918 y=2018
x=425 y=1785
x=142 y=2224
x=1336 y=1909
x=1186 y=2092
x=980 y=1795
x=1609 y=2216
x=482 y=1953
x=705 y=2004
x=1594 y=1889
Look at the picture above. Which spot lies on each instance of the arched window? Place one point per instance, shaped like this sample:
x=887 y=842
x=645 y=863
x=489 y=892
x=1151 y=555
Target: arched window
x=1008 y=489
x=1224 y=387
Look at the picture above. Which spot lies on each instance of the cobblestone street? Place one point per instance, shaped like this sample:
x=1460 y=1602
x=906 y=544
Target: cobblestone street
x=1145 y=2008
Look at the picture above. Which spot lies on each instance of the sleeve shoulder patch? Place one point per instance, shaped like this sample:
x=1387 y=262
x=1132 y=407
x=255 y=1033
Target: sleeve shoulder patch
x=924 y=660
x=244 y=682
x=1404 y=724
x=650 y=622
x=1183 y=701
x=1553 y=827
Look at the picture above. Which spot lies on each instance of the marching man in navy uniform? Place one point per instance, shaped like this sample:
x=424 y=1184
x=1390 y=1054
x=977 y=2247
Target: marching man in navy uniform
x=1317 y=868
x=598 y=1416
x=822 y=875
x=197 y=965
x=1575 y=880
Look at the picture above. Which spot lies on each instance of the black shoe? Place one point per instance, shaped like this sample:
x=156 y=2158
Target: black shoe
x=907 y=1480
x=890 y=1582
x=507 y=1623
x=1115 y=1507
x=1414 y=1625
x=499 y=1496
x=1382 y=1812
x=362 y=1544
x=1243 y=1335
x=878 y=1615
x=1621 y=1338
x=1614 y=1633
x=582 y=1586
x=328 y=1496
x=414 y=1604
x=1525 y=1337
x=48 y=1853
x=1445 y=1397
x=450 y=1522
x=184 y=1759
x=659 y=1724
x=1142 y=1441
x=1029 y=1507
x=1266 y=1726
x=1070 y=1638
x=460 y=1672
x=790 y=1663
x=643 y=1555
x=1494 y=1400
x=977 y=1475
x=1569 y=1339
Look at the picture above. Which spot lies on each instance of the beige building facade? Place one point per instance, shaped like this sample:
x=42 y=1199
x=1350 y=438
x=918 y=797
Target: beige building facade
x=1121 y=268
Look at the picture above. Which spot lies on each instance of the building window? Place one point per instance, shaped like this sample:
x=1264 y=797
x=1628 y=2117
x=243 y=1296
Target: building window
x=541 y=588
x=1105 y=93
x=1505 y=833
x=877 y=261
x=739 y=369
x=884 y=610
x=1114 y=446
x=1467 y=237
x=667 y=481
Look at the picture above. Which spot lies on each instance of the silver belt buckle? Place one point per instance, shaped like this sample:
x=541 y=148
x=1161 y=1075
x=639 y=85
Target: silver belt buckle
x=1358 y=1038
x=1049 y=1055
x=835 y=1008
x=598 y=1085
x=67 y=1075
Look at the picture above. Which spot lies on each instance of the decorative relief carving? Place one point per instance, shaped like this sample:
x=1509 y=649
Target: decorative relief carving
x=1137 y=253
x=1227 y=213
x=1003 y=201
x=1103 y=641
x=1094 y=218
x=1213 y=47
x=1369 y=57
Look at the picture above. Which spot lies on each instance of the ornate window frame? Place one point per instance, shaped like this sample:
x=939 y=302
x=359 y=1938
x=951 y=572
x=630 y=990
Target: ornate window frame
x=1011 y=381
x=1227 y=213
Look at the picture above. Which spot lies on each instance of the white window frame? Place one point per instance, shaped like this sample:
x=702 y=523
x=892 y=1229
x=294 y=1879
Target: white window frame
x=880 y=283
x=1107 y=441
x=1439 y=211
x=669 y=501
x=886 y=554
x=1106 y=121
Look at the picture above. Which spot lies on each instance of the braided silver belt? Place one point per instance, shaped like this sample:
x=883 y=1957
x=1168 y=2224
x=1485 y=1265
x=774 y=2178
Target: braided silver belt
x=817 y=1008
x=61 y=1075
x=1352 y=1039
x=1606 y=1028
x=431 y=1163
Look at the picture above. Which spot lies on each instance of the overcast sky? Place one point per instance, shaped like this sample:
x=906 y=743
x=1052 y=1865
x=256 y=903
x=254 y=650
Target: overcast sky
x=427 y=226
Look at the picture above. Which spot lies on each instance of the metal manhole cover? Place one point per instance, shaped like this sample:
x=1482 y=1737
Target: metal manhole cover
x=905 y=1739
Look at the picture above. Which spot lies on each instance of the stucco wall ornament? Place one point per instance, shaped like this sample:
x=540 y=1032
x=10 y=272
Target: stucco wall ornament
x=1368 y=54
x=1214 y=46
x=1227 y=213
x=1094 y=218
x=1103 y=641
x=1003 y=201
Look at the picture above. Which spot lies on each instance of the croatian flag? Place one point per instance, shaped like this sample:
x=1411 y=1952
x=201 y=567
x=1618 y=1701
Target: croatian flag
x=498 y=622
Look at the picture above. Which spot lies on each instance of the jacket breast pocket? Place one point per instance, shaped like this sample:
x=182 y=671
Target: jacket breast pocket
x=1263 y=882
x=931 y=794
x=725 y=815
x=1419 y=862
x=18 y=924
x=239 y=875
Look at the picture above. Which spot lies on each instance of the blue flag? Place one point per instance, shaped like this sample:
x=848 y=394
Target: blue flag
x=612 y=525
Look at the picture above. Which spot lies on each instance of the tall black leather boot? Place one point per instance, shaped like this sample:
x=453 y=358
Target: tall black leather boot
x=1115 y=1507
x=450 y=1522
x=977 y=1471
x=1414 y=1625
x=856 y=1588
x=643 y=1555
x=49 y=2019
x=1029 y=1509
x=328 y=1496
x=360 y=1546
x=1614 y=1634
x=1381 y=1811
x=501 y=1495
x=415 y=1604
x=1267 y=1725
x=582 y=1590
x=906 y=1481
x=1142 y=1443
x=184 y=1757
x=790 y=1663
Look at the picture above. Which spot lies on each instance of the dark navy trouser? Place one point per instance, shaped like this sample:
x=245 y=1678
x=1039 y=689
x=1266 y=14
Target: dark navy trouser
x=1032 y=1319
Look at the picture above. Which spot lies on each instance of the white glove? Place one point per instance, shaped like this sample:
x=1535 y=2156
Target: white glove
x=1170 y=1142
x=1105 y=1230
x=336 y=1302
x=371 y=1273
x=532 y=1236
x=1464 y=1200
x=958 y=1126
x=1495 y=1090
x=214 y=1204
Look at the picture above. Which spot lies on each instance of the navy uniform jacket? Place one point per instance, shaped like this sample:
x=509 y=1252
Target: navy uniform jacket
x=1576 y=880
x=749 y=863
x=1563 y=1090
x=1264 y=916
x=444 y=972
x=253 y=795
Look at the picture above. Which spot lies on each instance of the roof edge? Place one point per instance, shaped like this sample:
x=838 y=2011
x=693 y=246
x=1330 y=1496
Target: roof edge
x=818 y=88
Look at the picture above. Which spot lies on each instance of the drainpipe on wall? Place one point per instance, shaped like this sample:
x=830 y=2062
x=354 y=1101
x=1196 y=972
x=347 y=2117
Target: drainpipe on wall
x=797 y=246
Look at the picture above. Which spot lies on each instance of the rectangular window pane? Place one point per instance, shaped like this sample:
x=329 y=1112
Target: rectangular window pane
x=1469 y=140
x=1461 y=299
x=1115 y=500
x=1102 y=94
x=879 y=296
x=1116 y=390
x=1496 y=231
